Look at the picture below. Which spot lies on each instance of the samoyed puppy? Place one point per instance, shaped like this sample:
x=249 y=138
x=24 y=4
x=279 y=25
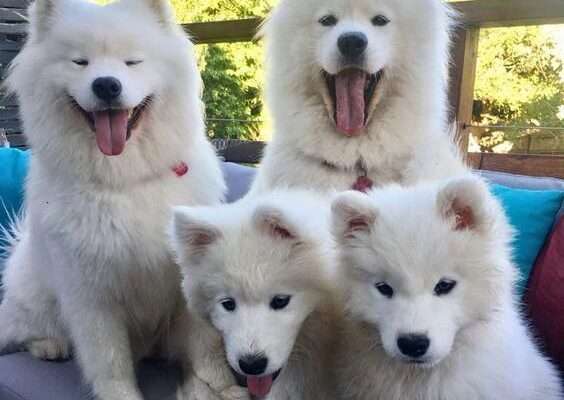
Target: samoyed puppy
x=110 y=104
x=258 y=280
x=357 y=92
x=430 y=293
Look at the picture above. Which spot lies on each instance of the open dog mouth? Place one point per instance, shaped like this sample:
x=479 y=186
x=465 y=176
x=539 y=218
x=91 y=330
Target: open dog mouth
x=259 y=386
x=113 y=126
x=350 y=98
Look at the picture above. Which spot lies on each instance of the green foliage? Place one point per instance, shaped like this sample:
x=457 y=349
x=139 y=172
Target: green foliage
x=519 y=76
x=215 y=10
x=229 y=95
x=519 y=81
x=232 y=73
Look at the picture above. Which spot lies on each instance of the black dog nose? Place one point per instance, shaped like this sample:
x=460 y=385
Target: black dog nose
x=254 y=364
x=414 y=346
x=352 y=44
x=107 y=88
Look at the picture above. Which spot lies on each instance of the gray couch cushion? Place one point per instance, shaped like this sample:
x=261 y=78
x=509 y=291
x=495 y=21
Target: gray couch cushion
x=239 y=179
x=24 y=378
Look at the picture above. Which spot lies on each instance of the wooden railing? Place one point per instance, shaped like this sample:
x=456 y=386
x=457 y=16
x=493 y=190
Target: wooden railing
x=474 y=14
x=477 y=14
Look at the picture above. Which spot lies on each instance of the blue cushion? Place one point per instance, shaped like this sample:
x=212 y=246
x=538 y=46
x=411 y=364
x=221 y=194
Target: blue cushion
x=532 y=213
x=14 y=164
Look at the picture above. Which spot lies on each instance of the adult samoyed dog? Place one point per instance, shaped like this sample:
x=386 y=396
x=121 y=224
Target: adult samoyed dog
x=258 y=277
x=357 y=92
x=110 y=104
x=430 y=294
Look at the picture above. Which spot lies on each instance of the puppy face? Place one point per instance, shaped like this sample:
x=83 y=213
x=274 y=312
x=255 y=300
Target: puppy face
x=98 y=67
x=256 y=280
x=352 y=52
x=423 y=264
x=354 y=48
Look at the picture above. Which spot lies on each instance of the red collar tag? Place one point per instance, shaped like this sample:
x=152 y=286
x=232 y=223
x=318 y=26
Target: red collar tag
x=180 y=169
x=363 y=184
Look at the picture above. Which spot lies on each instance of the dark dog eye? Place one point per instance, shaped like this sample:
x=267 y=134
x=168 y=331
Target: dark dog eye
x=280 y=302
x=444 y=287
x=328 y=20
x=385 y=289
x=131 y=63
x=380 y=20
x=229 y=305
x=81 y=61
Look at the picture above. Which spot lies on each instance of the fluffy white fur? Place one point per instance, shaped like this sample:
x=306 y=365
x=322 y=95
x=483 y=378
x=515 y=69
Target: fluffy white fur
x=406 y=137
x=92 y=263
x=273 y=245
x=479 y=345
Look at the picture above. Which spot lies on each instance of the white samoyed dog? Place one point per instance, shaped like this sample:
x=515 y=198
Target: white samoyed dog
x=258 y=278
x=110 y=101
x=357 y=92
x=429 y=289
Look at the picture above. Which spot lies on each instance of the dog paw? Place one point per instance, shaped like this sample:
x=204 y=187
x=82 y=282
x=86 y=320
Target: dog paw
x=50 y=349
x=196 y=389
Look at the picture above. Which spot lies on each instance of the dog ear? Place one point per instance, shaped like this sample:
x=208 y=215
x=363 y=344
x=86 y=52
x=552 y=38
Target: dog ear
x=353 y=215
x=162 y=10
x=190 y=236
x=41 y=14
x=465 y=204
x=275 y=224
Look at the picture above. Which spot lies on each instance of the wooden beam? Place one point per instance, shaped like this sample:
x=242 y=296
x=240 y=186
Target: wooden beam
x=21 y=4
x=497 y=13
x=11 y=46
x=16 y=140
x=531 y=165
x=12 y=15
x=13 y=29
x=6 y=57
x=462 y=80
x=7 y=114
x=243 y=30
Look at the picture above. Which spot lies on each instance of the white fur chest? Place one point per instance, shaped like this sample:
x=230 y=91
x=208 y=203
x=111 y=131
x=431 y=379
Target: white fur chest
x=307 y=172
x=108 y=228
x=290 y=166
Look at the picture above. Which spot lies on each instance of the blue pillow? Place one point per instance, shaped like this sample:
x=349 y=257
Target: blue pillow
x=13 y=170
x=532 y=213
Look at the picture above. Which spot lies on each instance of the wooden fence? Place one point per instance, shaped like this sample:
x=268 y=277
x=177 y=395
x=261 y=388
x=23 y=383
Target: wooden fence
x=475 y=14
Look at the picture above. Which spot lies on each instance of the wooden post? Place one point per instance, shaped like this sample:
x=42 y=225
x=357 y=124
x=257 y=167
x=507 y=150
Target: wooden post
x=463 y=77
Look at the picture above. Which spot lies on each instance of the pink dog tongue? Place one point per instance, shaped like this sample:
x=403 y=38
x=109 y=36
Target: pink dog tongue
x=349 y=90
x=259 y=387
x=111 y=131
